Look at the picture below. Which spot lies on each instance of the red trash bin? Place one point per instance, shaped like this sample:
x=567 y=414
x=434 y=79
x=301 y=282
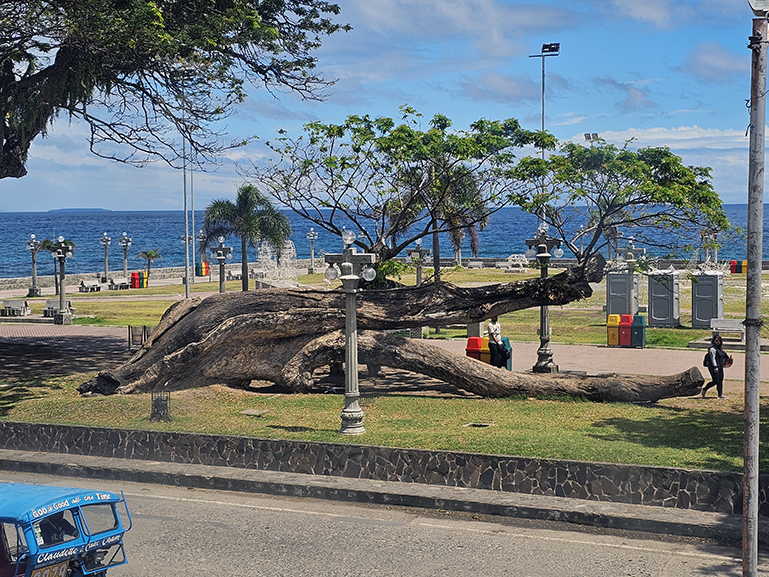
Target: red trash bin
x=135 y=280
x=733 y=266
x=473 y=349
x=625 y=330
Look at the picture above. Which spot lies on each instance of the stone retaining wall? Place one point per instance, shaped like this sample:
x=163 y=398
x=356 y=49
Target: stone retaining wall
x=156 y=273
x=658 y=486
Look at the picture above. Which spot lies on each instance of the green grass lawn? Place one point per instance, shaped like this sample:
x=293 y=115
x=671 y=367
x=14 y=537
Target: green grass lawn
x=685 y=432
x=689 y=433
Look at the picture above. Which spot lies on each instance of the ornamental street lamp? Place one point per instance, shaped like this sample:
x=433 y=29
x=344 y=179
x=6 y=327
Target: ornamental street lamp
x=221 y=253
x=105 y=242
x=34 y=248
x=544 y=245
x=417 y=255
x=312 y=236
x=629 y=253
x=351 y=263
x=125 y=242
x=61 y=251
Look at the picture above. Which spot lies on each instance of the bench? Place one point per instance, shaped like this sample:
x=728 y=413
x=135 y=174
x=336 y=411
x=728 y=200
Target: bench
x=231 y=276
x=118 y=284
x=514 y=263
x=89 y=286
x=52 y=307
x=475 y=264
x=15 y=309
x=730 y=326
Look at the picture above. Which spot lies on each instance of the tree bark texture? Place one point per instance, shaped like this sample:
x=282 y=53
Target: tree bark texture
x=282 y=335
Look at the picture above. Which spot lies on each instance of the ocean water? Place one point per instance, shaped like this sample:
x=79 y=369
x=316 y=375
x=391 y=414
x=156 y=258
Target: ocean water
x=163 y=230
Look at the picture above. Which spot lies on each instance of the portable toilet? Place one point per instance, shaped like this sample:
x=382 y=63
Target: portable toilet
x=616 y=293
x=664 y=299
x=707 y=298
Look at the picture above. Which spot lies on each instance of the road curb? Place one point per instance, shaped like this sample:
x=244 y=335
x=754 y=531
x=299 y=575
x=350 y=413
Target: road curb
x=682 y=522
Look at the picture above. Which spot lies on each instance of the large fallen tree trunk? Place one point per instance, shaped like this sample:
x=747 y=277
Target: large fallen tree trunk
x=282 y=335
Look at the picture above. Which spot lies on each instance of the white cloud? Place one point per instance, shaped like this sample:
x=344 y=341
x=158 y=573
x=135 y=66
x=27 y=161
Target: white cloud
x=679 y=138
x=724 y=151
x=496 y=87
x=711 y=62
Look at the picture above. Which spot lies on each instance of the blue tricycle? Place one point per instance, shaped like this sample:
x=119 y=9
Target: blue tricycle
x=48 y=531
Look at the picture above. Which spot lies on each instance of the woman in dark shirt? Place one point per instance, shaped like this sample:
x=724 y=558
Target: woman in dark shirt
x=717 y=359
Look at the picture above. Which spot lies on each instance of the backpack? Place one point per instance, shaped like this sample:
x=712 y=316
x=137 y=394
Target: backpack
x=706 y=360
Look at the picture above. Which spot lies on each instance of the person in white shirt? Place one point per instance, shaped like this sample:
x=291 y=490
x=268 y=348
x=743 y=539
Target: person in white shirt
x=496 y=348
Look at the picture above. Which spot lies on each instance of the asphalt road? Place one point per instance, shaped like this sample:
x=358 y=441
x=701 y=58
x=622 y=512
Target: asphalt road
x=180 y=532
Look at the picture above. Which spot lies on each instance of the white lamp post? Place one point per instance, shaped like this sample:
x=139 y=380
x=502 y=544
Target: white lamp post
x=312 y=236
x=125 y=242
x=34 y=248
x=221 y=253
x=350 y=263
x=105 y=242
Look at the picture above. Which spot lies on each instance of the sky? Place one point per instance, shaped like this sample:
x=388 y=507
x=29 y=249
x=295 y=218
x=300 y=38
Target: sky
x=669 y=73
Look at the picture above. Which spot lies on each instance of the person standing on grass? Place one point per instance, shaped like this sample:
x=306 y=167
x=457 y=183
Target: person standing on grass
x=716 y=360
x=496 y=348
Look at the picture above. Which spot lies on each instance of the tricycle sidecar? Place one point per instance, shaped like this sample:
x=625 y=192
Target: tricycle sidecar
x=48 y=531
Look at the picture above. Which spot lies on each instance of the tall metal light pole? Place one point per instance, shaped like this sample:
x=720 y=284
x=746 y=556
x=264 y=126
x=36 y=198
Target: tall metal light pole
x=753 y=322
x=350 y=263
x=312 y=237
x=221 y=253
x=550 y=49
x=125 y=242
x=34 y=248
x=105 y=242
x=544 y=244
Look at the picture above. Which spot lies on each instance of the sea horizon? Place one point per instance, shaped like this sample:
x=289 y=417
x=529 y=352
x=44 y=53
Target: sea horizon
x=164 y=229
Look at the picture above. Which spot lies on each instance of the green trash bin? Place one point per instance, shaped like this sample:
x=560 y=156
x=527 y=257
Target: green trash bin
x=506 y=344
x=638 y=332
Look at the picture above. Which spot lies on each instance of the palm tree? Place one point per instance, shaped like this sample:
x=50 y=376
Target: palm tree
x=149 y=256
x=252 y=218
x=451 y=196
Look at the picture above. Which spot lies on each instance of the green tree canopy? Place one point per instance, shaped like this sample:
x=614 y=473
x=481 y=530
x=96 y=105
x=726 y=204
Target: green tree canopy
x=252 y=218
x=140 y=72
x=383 y=178
x=601 y=186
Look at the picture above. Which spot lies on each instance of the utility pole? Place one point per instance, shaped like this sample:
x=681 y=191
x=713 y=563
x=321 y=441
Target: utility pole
x=758 y=45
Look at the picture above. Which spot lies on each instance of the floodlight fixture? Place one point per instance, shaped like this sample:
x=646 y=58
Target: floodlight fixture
x=555 y=47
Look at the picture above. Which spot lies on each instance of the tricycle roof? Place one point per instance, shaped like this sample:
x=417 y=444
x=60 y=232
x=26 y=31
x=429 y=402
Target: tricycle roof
x=26 y=502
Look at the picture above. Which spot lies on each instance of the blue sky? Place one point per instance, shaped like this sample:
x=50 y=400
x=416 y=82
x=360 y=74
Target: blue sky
x=665 y=72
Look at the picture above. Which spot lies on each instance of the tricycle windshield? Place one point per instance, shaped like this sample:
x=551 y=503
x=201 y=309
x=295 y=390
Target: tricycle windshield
x=56 y=529
x=99 y=518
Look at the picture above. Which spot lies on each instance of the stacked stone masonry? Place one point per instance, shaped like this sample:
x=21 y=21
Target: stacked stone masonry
x=719 y=491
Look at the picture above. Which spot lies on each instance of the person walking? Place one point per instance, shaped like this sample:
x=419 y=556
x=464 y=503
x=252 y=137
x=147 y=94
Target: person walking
x=497 y=350
x=716 y=360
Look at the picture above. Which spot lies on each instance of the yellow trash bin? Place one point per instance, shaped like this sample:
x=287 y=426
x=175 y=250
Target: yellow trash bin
x=485 y=353
x=612 y=330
